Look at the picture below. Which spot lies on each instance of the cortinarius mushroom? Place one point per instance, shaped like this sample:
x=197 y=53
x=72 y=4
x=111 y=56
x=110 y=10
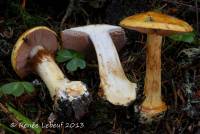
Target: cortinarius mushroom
x=155 y=25
x=33 y=52
x=115 y=87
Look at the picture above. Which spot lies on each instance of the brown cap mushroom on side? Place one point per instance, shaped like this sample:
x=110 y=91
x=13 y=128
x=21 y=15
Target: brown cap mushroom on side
x=33 y=52
x=114 y=85
x=155 y=25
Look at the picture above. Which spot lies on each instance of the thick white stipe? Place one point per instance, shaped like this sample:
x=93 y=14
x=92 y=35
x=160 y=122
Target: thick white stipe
x=117 y=89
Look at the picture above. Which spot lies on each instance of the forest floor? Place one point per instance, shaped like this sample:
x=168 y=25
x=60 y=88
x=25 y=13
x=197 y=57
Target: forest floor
x=180 y=72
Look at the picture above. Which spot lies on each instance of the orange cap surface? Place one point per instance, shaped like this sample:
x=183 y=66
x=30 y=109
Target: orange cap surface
x=154 y=22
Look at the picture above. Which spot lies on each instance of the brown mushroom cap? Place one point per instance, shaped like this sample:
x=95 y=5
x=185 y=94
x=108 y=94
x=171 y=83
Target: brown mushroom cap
x=154 y=22
x=81 y=42
x=40 y=35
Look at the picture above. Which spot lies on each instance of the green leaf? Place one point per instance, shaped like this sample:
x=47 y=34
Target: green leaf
x=16 y=88
x=75 y=63
x=81 y=63
x=28 y=87
x=8 y=129
x=13 y=88
x=185 y=37
x=71 y=66
x=24 y=120
x=74 y=59
x=18 y=91
x=78 y=55
x=64 y=55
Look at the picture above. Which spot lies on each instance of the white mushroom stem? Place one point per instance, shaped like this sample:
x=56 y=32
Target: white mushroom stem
x=115 y=86
x=59 y=86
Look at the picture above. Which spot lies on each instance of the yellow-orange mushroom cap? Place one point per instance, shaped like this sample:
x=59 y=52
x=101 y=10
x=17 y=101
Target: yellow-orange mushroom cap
x=154 y=22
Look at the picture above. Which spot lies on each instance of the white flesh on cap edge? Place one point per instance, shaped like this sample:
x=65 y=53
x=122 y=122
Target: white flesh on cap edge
x=117 y=89
x=59 y=86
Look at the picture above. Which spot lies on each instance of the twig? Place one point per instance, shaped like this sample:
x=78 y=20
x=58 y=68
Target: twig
x=38 y=114
x=197 y=15
x=13 y=119
x=67 y=13
x=74 y=6
x=190 y=7
x=23 y=4
x=175 y=94
x=92 y=65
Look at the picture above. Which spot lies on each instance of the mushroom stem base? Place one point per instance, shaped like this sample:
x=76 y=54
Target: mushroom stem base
x=76 y=108
x=153 y=111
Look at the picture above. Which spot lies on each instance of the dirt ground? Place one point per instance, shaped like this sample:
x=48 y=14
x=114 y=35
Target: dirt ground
x=180 y=74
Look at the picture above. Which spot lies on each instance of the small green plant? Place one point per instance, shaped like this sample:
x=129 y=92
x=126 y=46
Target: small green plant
x=14 y=9
x=24 y=121
x=16 y=88
x=72 y=59
x=30 y=20
x=8 y=129
x=185 y=37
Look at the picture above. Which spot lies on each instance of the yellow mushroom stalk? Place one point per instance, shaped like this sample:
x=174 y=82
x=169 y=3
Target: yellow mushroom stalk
x=155 y=25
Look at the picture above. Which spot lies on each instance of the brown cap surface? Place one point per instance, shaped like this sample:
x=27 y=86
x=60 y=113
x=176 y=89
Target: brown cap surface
x=40 y=35
x=154 y=22
x=81 y=42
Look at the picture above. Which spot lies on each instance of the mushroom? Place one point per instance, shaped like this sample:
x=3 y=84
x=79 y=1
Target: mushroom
x=33 y=52
x=155 y=25
x=115 y=87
